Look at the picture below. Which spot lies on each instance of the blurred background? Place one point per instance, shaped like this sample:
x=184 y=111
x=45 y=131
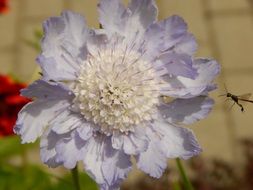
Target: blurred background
x=224 y=31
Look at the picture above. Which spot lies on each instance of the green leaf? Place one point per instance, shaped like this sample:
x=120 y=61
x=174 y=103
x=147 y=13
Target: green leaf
x=86 y=182
x=30 y=177
x=35 y=42
x=10 y=146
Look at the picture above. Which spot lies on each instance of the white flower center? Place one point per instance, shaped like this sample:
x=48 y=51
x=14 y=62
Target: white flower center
x=117 y=90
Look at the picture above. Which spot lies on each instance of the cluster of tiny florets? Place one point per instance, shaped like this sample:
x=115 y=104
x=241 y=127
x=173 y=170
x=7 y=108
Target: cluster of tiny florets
x=116 y=91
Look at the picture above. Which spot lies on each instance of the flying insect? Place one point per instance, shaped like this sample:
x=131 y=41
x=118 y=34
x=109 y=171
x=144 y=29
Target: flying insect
x=238 y=99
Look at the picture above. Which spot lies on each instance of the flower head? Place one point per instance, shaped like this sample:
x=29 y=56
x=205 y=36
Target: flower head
x=10 y=104
x=4 y=6
x=101 y=97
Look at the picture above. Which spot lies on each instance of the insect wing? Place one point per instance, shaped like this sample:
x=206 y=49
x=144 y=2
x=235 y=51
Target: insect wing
x=245 y=98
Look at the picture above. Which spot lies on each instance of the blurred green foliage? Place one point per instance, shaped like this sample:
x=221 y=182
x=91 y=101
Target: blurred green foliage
x=35 y=42
x=26 y=176
x=10 y=146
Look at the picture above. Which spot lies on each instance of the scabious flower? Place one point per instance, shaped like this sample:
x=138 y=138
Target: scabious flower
x=4 y=7
x=101 y=96
x=10 y=104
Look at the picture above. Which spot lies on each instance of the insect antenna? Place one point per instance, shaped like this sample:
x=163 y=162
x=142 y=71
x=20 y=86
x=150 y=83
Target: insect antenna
x=225 y=87
x=225 y=90
x=222 y=95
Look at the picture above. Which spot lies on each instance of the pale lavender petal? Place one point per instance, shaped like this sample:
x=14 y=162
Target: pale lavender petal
x=66 y=121
x=85 y=131
x=186 y=111
x=93 y=158
x=53 y=65
x=54 y=34
x=96 y=43
x=178 y=65
x=115 y=186
x=51 y=99
x=132 y=143
x=34 y=117
x=100 y=155
x=77 y=34
x=182 y=87
x=153 y=161
x=112 y=15
x=127 y=22
x=176 y=141
x=57 y=70
x=63 y=46
x=169 y=35
x=47 y=90
x=143 y=13
x=70 y=150
x=186 y=45
x=65 y=34
x=116 y=165
x=153 y=38
x=175 y=29
x=48 y=141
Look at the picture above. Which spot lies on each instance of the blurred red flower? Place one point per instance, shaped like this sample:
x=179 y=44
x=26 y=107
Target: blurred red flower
x=4 y=7
x=10 y=104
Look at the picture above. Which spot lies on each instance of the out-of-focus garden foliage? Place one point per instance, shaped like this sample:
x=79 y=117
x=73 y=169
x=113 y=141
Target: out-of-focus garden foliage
x=18 y=174
x=206 y=174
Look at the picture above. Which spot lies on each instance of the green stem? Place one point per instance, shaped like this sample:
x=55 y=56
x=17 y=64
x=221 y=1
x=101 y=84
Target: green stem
x=176 y=185
x=23 y=154
x=186 y=181
x=75 y=178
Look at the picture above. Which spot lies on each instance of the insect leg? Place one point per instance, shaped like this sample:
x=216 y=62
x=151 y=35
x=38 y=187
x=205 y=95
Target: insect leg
x=232 y=105
x=227 y=99
x=242 y=109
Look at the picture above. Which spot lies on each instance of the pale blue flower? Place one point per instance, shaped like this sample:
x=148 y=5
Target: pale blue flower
x=101 y=97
